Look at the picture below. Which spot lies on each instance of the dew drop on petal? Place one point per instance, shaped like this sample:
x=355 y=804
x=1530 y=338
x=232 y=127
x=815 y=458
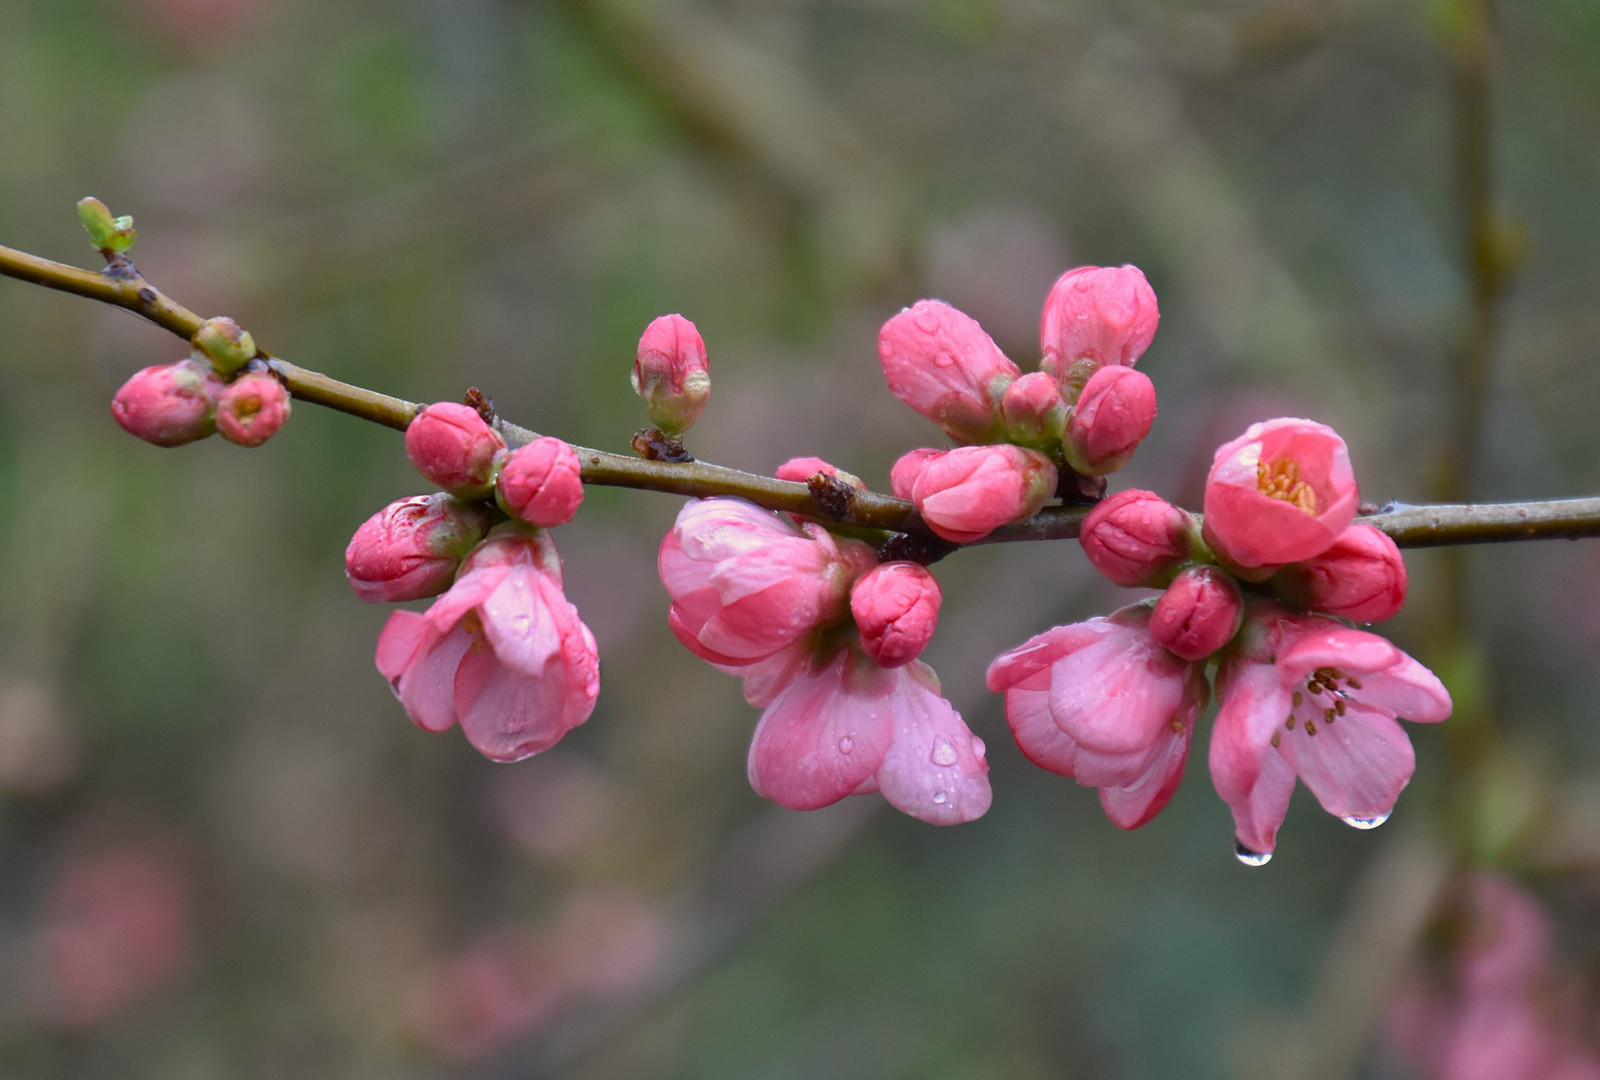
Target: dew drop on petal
x=1371 y=822
x=1251 y=858
x=943 y=753
x=940 y=798
x=846 y=745
x=978 y=749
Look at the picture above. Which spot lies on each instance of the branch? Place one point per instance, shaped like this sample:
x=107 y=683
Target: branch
x=121 y=285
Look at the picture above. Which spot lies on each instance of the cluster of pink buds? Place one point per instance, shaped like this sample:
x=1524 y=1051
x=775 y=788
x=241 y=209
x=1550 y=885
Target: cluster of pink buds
x=221 y=388
x=1265 y=586
x=1086 y=410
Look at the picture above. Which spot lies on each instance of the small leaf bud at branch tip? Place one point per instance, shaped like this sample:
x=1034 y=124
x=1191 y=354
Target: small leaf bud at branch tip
x=108 y=234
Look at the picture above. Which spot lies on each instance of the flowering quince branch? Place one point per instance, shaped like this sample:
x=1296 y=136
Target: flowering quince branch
x=815 y=590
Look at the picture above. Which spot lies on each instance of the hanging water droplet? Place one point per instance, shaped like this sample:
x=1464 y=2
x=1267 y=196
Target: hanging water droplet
x=1365 y=822
x=978 y=749
x=846 y=745
x=1251 y=858
x=940 y=798
x=943 y=753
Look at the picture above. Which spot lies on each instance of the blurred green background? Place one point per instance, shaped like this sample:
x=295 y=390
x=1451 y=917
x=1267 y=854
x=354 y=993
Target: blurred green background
x=422 y=195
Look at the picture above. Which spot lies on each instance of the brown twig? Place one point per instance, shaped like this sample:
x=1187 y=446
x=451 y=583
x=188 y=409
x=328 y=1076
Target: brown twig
x=1411 y=526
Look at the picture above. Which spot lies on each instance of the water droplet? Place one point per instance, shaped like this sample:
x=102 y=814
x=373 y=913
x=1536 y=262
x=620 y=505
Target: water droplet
x=940 y=798
x=1365 y=822
x=943 y=753
x=846 y=745
x=1251 y=858
x=943 y=359
x=978 y=749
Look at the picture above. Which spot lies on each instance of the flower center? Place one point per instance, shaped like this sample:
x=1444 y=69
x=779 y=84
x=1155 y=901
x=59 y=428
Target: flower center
x=1281 y=480
x=1324 y=700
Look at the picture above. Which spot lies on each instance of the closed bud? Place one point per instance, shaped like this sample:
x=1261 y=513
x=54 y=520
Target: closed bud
x=170 y=404
x=967 y=493
x=223 y=342
x=1094 y=316
x=251 y=409
x=541 y=483
x=672 y=374
x=1109 y=422
x=453 y=447
x=411 y=548
x=1034 y=411
x=903 y=476
x=107 y=233
x=1198 y=614
x=896 y=608
x=1362 y=577
x=1137 y=538
x=940 y=362
x=801 y=469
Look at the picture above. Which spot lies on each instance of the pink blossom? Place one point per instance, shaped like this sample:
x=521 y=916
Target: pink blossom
x=1362 y=577
x=941 y=363
x=1136 y=538
x=1306 y=695
x=846 y=726
x=170 y=404
x=1033 y=411
x=1102 y=702
x=503 y=652
x=1199 y=613
x=1110 y=420
x=671 y=373
x=747 y=584
x=801 y=469
x=1281 y=492
x=251 y=409
x=1094 y=316
x=896 y=607
x=411 y=548
x=903 y=477
x=541 y=483
x=453 y=447
x=967 y=493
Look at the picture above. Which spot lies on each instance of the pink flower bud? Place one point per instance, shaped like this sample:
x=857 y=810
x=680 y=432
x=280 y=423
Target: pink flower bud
x=1136 y=538
x=453 y=447
x=941 y=363
x=966 y=494
x=225 y=344
x=251 y=409
x=903 y=477
x=1034 y=411
x=1362 y=577
x=1094 y=316
x=1198 y=614
x=671 y=373
x=801 y=469
x=540 y=483
x=1281 y=492
x=896 y=607
x=170 y=404
x=410 y=549
x=1111 y=419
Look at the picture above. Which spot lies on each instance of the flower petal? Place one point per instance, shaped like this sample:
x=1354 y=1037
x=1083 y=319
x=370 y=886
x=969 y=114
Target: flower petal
x=1357 y=766
x=820 y=739
x=427 y=687
x=935 y=769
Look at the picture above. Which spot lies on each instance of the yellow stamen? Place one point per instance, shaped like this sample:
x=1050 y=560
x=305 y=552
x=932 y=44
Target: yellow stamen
x=1282 y=481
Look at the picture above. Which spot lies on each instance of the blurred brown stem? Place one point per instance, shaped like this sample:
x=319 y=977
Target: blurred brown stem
x=1411 y=526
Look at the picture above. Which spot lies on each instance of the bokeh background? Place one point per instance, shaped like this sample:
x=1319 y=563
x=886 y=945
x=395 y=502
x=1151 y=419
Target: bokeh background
x=225 y=852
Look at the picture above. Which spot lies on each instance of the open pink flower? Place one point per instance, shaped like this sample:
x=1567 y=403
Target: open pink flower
x=1307 y=696
x=1281 y=492
x=846 y=726
x=503 y=652
x=940 y=362
x=966 y=494
x=1100 y=701
x=747 y=584
x=1094 y=316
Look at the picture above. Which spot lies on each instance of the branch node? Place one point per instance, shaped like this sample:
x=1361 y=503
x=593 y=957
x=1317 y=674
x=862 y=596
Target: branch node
x=652 y=445
x=835 y=498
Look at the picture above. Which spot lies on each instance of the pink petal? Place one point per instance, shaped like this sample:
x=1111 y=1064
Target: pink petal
x=1257 y=816
x=507 y=716
x=1356 y=766
x=1036 y=732
x=820 y=739
x=1131 y=806
x=403 y=637
x=1114 y=695
x=1040 y=651
x=520 y=623
x=470 y=590
x=427 y=687
x=935 y=769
